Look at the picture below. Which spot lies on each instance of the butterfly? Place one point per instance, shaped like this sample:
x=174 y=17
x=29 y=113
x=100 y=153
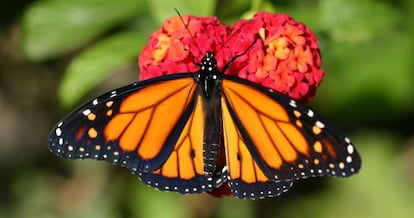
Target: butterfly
x=194 y=132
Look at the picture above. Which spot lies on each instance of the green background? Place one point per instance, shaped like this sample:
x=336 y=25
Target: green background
x=56 y=54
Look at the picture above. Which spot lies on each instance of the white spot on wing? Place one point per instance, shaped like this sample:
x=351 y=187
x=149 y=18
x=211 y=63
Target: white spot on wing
x=350 y=149
x=58 y=132
x=86 y=112
x=310 y=113
x=320 y=124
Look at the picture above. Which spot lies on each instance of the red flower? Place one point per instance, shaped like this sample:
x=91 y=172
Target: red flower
x=172 y=49
x=283 y=54
x=222 y=190
x=286 y=58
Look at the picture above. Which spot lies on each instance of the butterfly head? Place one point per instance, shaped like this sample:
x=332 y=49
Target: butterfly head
x=208 y=76
x=209 y=63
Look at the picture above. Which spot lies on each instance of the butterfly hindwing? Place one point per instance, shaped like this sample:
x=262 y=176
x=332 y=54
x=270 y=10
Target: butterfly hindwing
x=287 y=140
x=246 y=179
x=184 y=169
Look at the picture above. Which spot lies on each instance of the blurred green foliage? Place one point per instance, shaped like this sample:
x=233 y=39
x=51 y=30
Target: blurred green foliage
x=367 y=48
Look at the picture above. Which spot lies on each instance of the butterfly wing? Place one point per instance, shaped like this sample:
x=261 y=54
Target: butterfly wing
x=245 y=177
x=285 y=139
x=154 y=128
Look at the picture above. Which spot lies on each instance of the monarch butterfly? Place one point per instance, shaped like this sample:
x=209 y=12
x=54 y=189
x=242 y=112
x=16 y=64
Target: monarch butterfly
x=192 y=132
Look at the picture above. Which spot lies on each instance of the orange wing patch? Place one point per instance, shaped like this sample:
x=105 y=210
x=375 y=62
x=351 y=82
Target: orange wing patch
x=147 y=117
x=267 y=124
x=240 y=162
x=186 y=160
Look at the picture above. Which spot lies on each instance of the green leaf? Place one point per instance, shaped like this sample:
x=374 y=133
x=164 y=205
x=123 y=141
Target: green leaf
x=51 y=28
x=245 y=209
x=303 y=11
x=355 y=20
x=95 y=64
x=370 y=71
x=145 y=201
x=162 y=9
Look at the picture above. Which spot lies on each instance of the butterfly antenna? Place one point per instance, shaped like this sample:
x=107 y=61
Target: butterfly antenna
x=237 y=56
x=191 y=35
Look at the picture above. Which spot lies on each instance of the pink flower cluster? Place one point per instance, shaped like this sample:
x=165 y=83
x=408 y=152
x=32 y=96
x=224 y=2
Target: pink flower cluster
x=285 y=54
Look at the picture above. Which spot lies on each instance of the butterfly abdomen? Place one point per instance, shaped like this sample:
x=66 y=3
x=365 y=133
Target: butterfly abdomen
x=212 y=130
